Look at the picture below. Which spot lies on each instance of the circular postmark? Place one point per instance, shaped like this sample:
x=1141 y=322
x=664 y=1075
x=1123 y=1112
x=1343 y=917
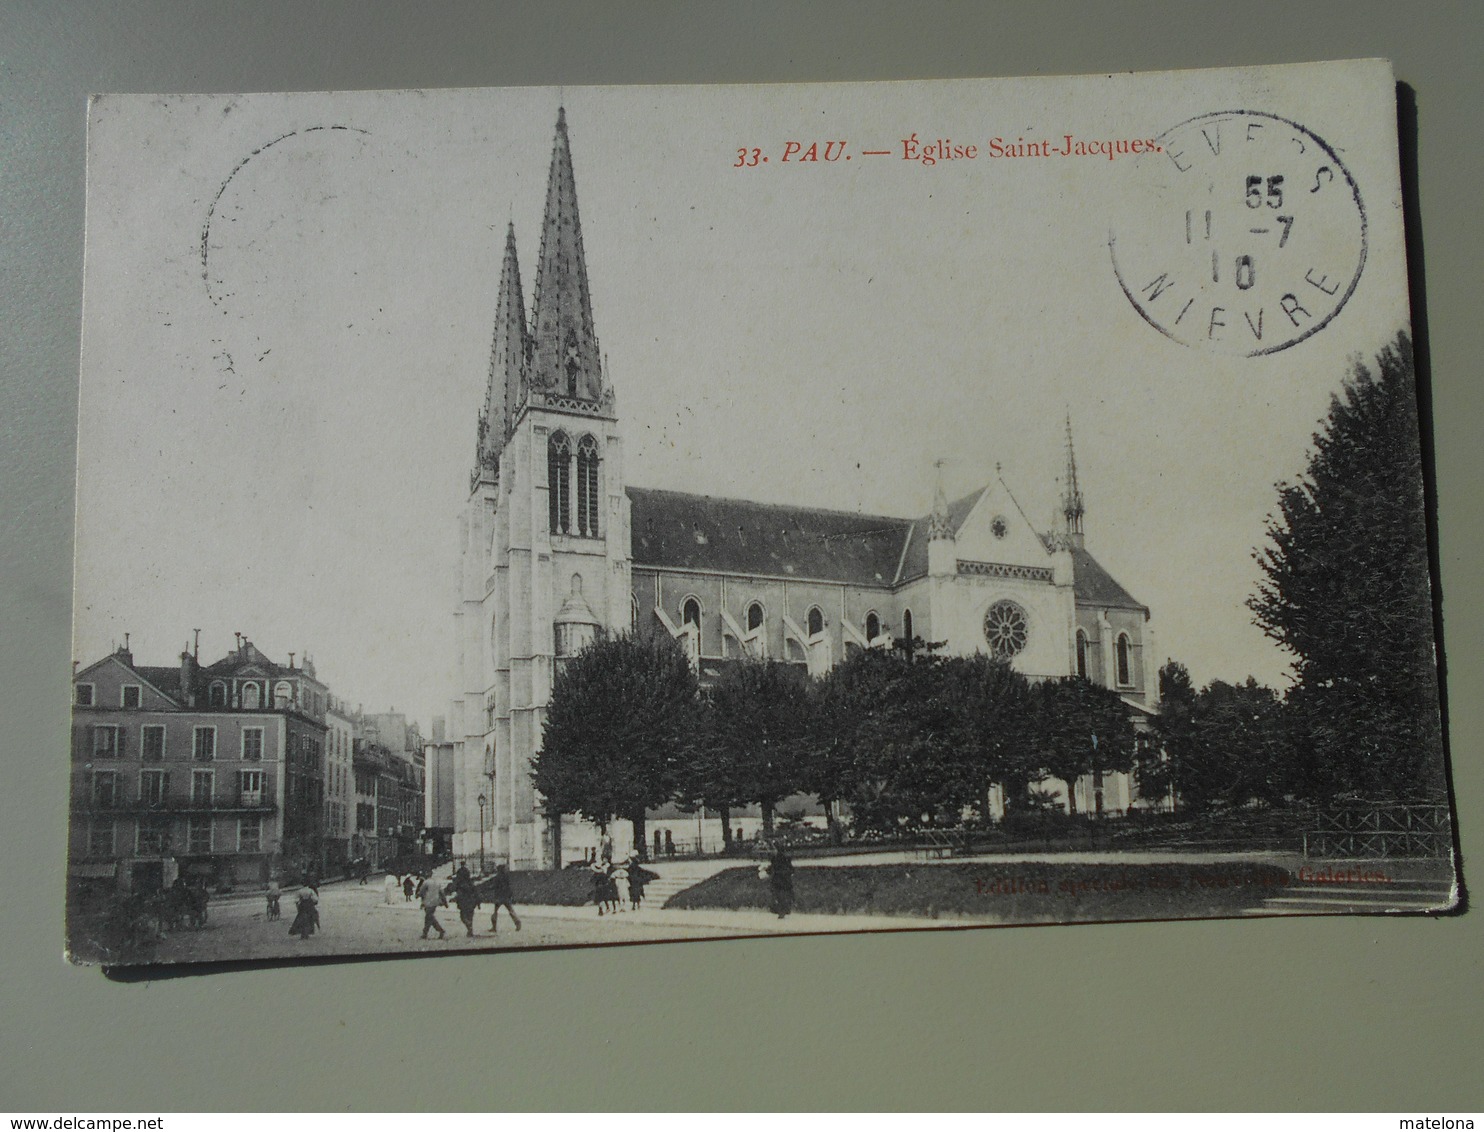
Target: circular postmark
x=1245 y=236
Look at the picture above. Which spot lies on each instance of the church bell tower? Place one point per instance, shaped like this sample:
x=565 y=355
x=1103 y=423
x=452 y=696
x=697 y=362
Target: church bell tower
x=544 y=534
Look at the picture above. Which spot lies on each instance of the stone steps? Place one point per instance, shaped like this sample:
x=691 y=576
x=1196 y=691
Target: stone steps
x=1408 y=896
x=675 y=878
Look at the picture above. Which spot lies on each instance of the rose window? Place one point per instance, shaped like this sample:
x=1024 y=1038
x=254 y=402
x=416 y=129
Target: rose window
x=1006 y=629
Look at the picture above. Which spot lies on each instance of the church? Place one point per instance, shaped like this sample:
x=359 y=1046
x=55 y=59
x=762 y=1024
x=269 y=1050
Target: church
x=556 y=547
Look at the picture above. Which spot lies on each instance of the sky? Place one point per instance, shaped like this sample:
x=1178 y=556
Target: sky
x=289 y=302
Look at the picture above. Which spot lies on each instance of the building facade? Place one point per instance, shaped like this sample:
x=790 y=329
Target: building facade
x=556 y=547
x=339 y=816
x=167 y=778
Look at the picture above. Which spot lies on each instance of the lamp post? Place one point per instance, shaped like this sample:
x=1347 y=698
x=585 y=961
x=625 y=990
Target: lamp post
x=482 y=801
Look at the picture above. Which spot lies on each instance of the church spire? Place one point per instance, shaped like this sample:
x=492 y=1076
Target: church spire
x=940 y=524
x=508 y=357
x=565 y=360
x=1071 y=499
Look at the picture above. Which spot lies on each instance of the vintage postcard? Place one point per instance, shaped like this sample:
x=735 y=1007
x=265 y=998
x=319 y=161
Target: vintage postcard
x=533 y=518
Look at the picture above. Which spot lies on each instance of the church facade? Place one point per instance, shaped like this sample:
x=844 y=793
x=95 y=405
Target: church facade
x=556 y=547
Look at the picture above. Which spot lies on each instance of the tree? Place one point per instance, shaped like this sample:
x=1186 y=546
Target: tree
x=991 y=704
x=1081 y=728
x=1241 y=744
x=842 y=706
x=755 y=735
x=1345 y=589
x=621 y=725
x=879 y=739
x=1175 y=726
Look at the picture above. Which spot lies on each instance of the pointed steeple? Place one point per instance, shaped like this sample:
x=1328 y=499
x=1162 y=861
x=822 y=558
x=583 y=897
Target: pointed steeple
x=564 y=359
x=1071 y=499
x=509 y=353
x=940 y=524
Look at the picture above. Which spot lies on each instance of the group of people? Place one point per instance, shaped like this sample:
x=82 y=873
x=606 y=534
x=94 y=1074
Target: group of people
x=468 y=894
x=184 y=903
x=610 y=880
x=409 y=886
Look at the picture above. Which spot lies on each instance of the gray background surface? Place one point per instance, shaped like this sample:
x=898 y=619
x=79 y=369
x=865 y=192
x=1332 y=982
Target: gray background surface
x=1306 y=1013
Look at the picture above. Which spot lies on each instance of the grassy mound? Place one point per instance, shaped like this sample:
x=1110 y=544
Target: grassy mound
x=569 y=887
x=1033 y=892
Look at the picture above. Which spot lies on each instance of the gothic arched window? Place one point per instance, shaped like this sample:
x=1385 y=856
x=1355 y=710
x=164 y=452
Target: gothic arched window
x=587 y=487
x=690 y=612
x=559 y=482
x=907 y=624
x=754 y=617
x=1081 y=654
x=1122 y=659
x=633 y=614
x=815 y=622
x=873 y=626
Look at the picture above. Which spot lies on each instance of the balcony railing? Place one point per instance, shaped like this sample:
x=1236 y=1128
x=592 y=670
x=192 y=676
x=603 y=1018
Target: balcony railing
x=238 y=802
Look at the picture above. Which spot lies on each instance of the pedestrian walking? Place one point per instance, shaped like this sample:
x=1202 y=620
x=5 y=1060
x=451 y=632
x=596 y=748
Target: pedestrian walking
x=465 y=898
x=306 y=913
x=639 y=876
x=781 y=881
x=432 y=898
x=409 y=885
x=200 y=899
x=500 y=895
x=619 y=881
x=273 y=897
x=600 y=884
x=605 y=848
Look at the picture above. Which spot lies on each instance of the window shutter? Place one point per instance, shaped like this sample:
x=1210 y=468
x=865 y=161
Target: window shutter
x=91 y=741
x=121 y=734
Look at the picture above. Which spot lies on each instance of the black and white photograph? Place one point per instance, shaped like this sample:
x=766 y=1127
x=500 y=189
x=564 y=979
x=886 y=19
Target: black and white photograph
x=552 y=517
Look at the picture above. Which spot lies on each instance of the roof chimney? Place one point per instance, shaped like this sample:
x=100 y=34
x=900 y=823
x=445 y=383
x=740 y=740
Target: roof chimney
x=187 y=678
